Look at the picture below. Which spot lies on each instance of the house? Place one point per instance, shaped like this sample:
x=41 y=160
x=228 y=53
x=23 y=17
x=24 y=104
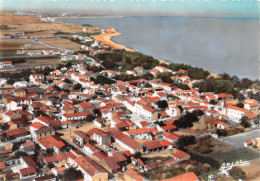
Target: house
x=42 y=132
x=235 y=112
x=115 y=163
x=54 y=142
x=225 y=96
x=15 y=133
x=180 y=155
x=90 y=149
x=172 y=137
x=27 y=173
x=140 y=133
x=75 y=116
x=46 y=178
x=80 y=138
x=90 y=169
x=152 y=146
x=251 y=105
x=11 y=115
x=5 y=64
x=133 y=174
x=126 y=141
x=100 y=136
x=252 y=117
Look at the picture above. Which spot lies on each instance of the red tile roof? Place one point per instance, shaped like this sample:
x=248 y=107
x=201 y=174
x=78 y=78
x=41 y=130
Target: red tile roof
x=134 y=174
x=179 y=154
x=89 y=165
x=172 y=136
x=236 y=108
x=50 y=141
x=138 y=131
x=152 y=144
x=77 y=114
x=28 y=171
x=29 y=161
x=16 y=132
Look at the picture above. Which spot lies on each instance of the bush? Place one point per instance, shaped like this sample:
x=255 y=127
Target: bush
x=72 y=174
x=77 y=86
x=237 y=173
x=186 y=140
x=50 y=165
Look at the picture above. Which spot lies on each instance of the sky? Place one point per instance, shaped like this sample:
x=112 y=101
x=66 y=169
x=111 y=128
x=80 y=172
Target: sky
x=202 y=8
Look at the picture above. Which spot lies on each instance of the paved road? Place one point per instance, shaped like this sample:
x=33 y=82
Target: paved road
x=52 y=47
x=238 y=140
x=25 y=56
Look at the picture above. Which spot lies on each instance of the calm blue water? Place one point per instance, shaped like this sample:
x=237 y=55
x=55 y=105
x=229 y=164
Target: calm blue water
x=215 y=44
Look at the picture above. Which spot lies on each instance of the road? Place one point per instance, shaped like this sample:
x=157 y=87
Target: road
x=238 y=140
x=36 y=37
x=47 y=45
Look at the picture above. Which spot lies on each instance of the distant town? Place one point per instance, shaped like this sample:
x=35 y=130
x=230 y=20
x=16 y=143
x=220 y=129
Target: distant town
x=76 y=106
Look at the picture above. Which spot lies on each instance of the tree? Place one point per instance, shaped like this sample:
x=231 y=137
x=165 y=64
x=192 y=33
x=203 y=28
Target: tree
x=240 y=104
x=240 y=97
x=50 y=165
x=186 y=140
x=186 y=121
x=213 y=102
x=10 y=81
x=237 y=173
x=162 y=104
x=67 y=81
x=244 y=122
x=97 y=112
x=181 y=109
x=77 y=86
x=147 y=85
x=39 y=113
x=71 y=174
x=198 y=112
x=68 y=64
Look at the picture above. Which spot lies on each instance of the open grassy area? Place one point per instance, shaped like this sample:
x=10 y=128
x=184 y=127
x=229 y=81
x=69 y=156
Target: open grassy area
x=7 y=53
x=165 y=173
x=234 y=155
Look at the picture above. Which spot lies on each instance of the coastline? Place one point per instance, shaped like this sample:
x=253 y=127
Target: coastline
x=105 y=39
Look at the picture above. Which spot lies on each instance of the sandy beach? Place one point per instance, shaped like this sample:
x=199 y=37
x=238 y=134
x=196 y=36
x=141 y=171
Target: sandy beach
x=105 y=39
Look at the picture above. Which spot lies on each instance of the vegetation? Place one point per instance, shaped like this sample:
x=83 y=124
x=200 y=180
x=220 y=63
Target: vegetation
x=244 y=122
x=186 y=140
x=162 y=104
x=204 y=145
x=203 y=159
x=50 y=165
x=4 y=27
x=229 y=132
x=77 y=86
x=193 y=72
x=234 y=155
x=213 y=102
x=71 y=174
x=126 y=60
x=237 y=173
x=100 y=79
x=147 y=85
x=186 y=121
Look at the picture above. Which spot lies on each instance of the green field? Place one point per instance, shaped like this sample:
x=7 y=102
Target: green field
x=7 y=53
x=234 y=155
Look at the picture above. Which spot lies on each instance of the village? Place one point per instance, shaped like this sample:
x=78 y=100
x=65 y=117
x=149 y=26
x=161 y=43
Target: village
x=74 y=123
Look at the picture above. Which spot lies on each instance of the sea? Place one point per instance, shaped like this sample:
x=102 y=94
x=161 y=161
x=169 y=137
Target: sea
x=218 y=45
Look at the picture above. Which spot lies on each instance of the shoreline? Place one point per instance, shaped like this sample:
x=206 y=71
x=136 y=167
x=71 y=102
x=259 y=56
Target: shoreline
x=106 y=39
